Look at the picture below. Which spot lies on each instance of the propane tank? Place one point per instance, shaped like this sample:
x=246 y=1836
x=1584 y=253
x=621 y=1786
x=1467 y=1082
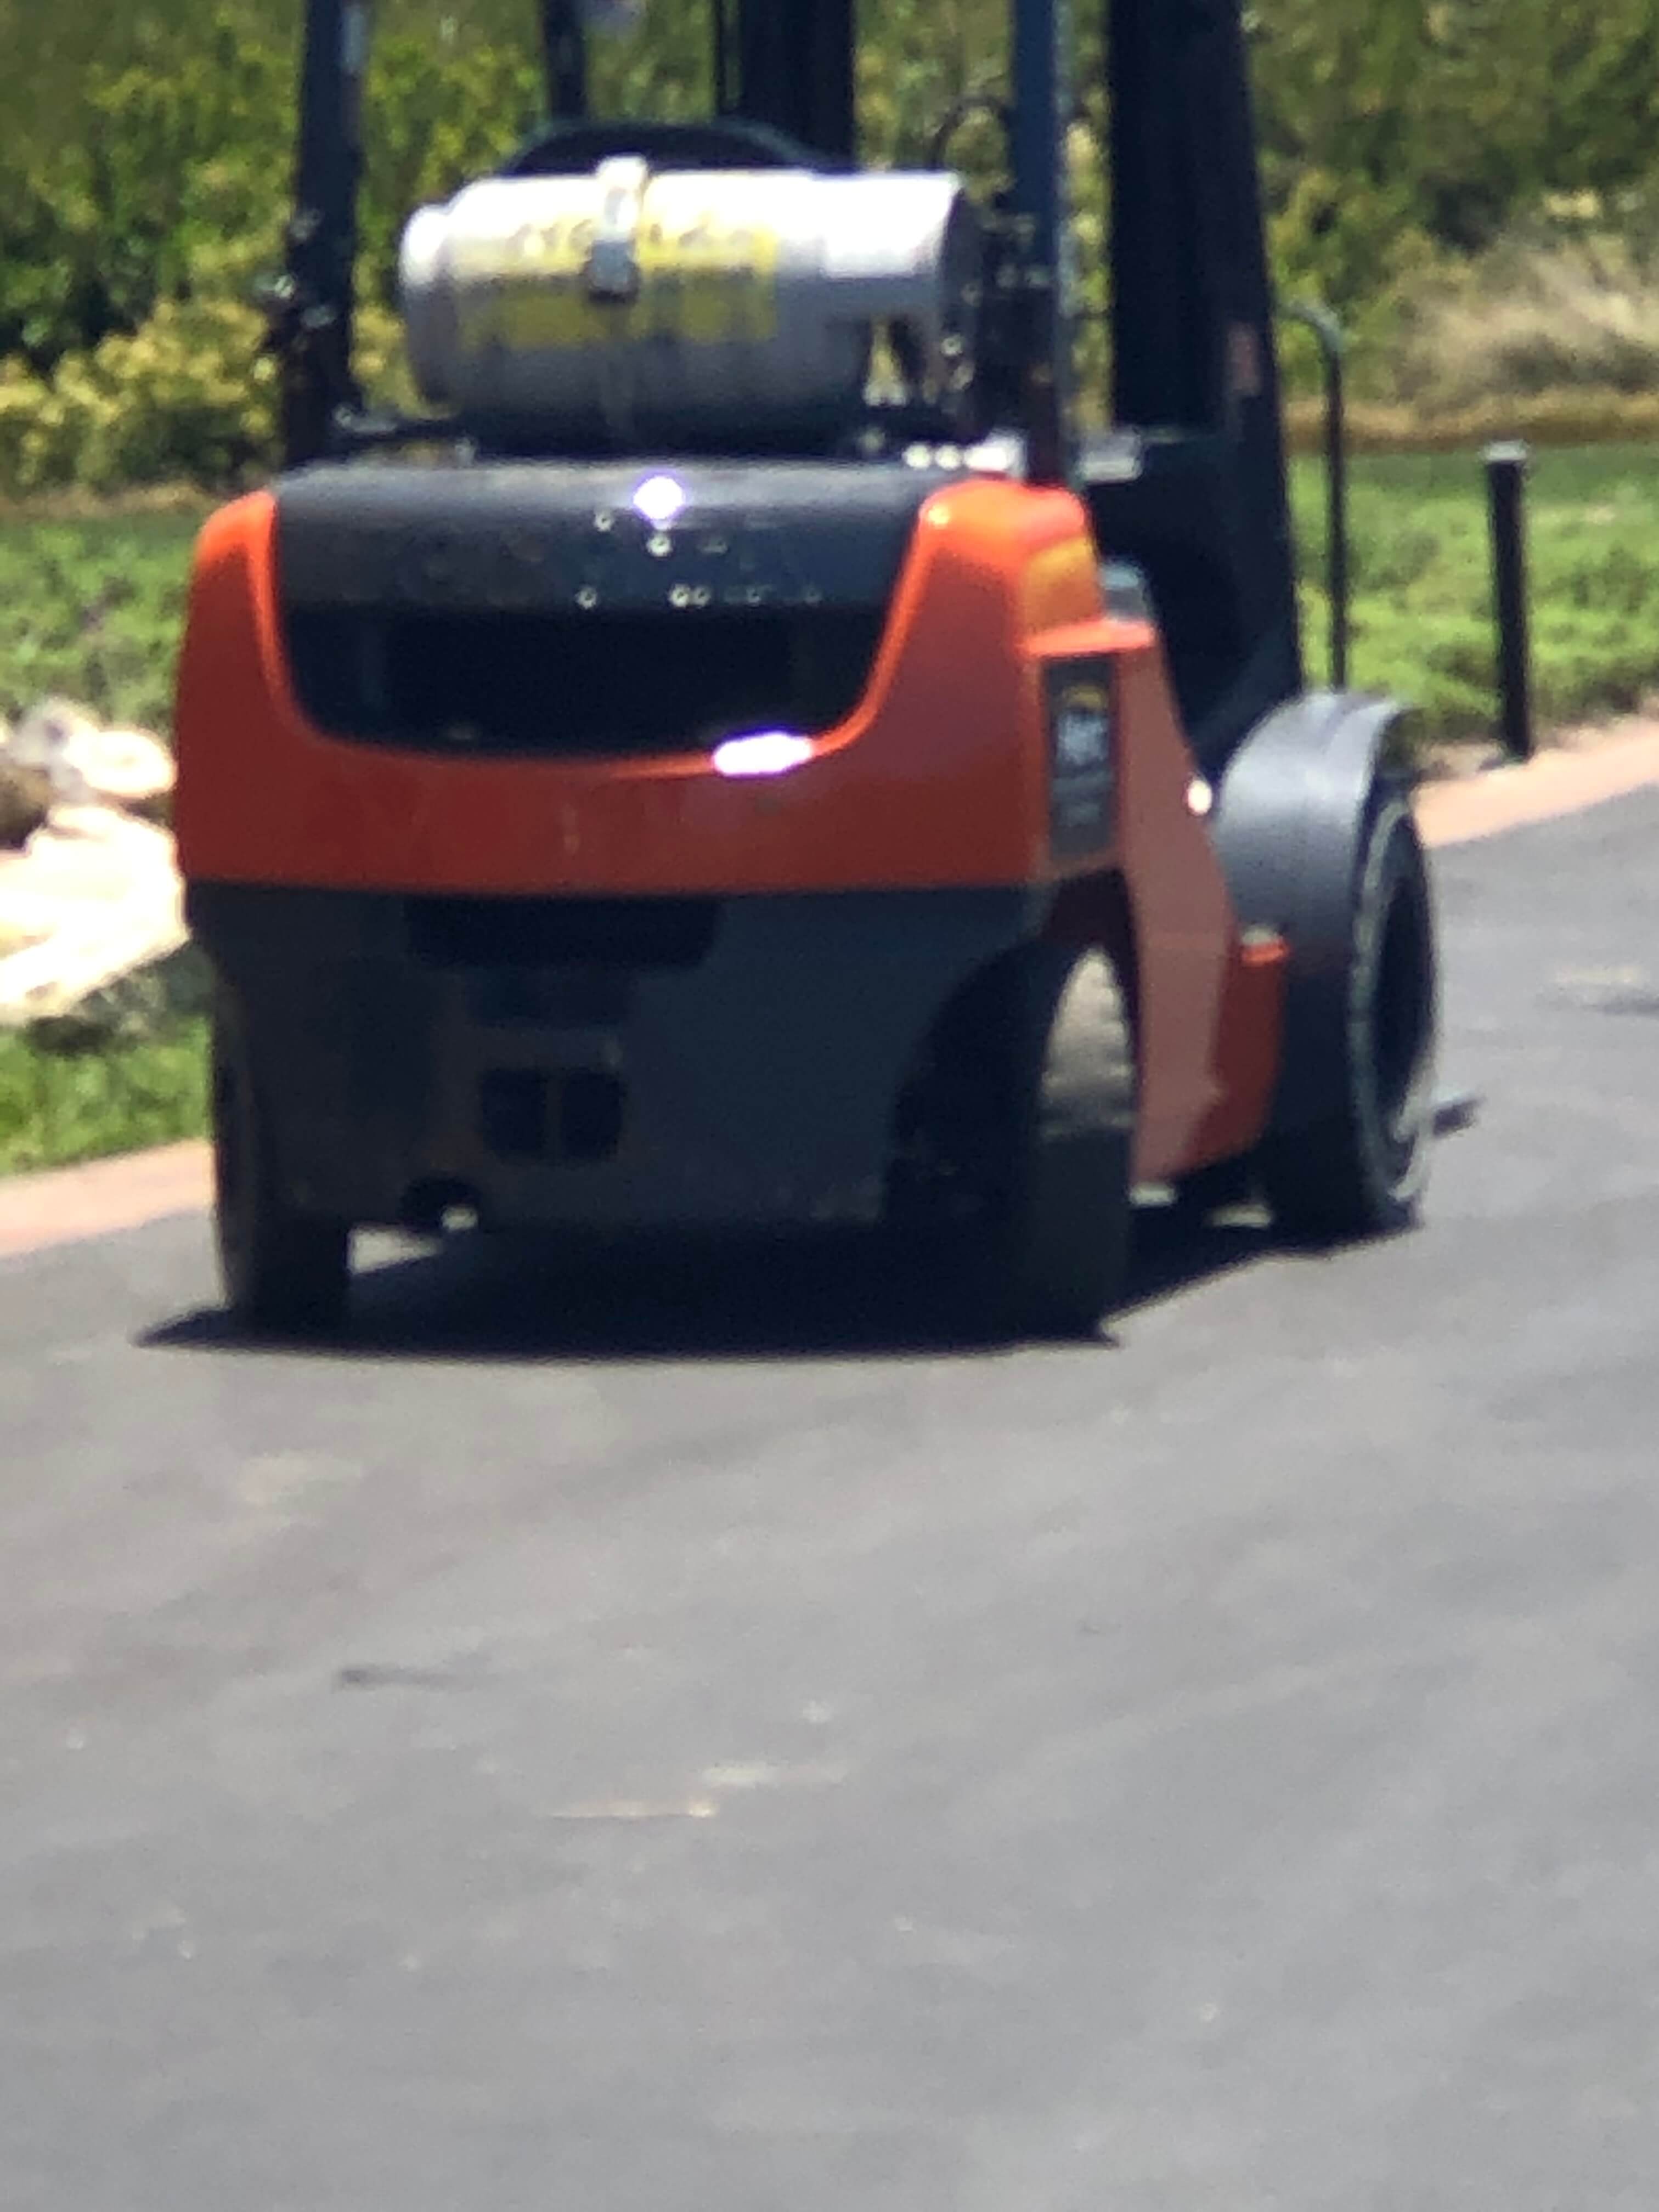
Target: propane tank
x=734 y=310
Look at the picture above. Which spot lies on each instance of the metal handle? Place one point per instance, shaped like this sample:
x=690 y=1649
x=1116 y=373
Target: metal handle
x=1329 y=332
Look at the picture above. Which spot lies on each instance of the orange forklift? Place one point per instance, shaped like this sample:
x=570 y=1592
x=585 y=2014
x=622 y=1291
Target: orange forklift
x=744 y=758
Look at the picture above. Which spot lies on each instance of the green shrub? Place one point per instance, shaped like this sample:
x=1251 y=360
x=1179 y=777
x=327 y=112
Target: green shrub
x=91 y=608
x=190 y=398
x=166 y=160
x=186 y=399
x=145 y=159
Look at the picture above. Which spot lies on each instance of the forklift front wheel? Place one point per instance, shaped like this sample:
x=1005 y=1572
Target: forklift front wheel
x=281 y=1270
x=1361 y=1172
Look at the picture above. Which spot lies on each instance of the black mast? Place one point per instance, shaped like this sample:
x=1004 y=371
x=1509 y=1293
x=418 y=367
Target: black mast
x=564 y=45
x=312 y=308
x=1042 y=59
x=796 y=70
x=1193 y=346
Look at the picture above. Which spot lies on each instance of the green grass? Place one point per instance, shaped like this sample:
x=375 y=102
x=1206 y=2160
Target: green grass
x=1422 y=601
x=90 y=607
x=56 y=1109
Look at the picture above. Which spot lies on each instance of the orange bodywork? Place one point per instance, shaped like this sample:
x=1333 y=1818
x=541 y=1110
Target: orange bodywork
x=939 y=780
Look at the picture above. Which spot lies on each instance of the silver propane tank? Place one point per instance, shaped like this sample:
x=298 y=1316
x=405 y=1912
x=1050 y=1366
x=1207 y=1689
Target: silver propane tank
x=732 y=308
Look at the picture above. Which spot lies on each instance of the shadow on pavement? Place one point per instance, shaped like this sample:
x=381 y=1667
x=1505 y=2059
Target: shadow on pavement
x=519 y=1298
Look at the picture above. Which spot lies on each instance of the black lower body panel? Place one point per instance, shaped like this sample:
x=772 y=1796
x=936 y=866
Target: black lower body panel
x=627 y=1064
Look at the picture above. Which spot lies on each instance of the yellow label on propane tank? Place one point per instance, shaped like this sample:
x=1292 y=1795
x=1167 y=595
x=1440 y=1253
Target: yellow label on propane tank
x=704 y=280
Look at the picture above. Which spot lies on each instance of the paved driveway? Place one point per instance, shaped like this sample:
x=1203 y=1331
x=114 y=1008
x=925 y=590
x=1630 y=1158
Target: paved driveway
x=674 y=1746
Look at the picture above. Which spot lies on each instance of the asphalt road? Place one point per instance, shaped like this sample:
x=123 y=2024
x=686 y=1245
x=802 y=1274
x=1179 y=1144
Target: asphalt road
x=680 y=1745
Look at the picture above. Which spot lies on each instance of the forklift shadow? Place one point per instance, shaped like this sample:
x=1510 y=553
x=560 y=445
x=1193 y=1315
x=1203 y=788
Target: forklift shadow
x=523 y=1300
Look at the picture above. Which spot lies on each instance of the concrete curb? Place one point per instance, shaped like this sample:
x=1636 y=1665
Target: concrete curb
x=1469 y=808
x=71 y=1204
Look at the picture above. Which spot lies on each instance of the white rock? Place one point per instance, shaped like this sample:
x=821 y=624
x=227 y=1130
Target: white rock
x=89 y=764
x=95 y=896
x=92 y=920
x=45 y=738
x=128 y=769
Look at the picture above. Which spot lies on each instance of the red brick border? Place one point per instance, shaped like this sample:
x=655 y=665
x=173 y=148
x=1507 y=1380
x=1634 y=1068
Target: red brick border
x=1567 y=781
x=71 y=1204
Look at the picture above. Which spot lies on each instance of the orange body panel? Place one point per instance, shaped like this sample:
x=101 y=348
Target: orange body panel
x=939 y=780
x=936 y=780
x=1209 y=1005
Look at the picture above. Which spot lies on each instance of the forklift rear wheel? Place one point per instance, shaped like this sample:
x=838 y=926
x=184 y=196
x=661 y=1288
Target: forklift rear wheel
x=1362 y=1173
x=1029 y=1122
x=281 y=1270
x=1216 y=1189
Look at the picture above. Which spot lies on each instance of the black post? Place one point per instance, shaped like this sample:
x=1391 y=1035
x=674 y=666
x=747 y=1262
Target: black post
x=795 y=65
x=312 y=308
x=1506 y=474
x=724 y=92
x=1329 y=332
x=564 y=50
x=1042 y=71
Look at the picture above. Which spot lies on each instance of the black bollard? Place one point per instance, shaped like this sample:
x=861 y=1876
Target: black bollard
x=1506 y=475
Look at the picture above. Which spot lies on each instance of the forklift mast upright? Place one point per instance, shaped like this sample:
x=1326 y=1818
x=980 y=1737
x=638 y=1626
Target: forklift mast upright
x=1194 y=372
x=312 y=307
x=795 y=70
x=1194 y=349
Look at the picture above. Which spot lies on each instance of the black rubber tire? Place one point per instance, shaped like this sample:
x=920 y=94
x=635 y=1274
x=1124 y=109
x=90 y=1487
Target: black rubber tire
x=1030 y=1109
x=1362 y=1173
x=281 y=1271
x=1210 y=1190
